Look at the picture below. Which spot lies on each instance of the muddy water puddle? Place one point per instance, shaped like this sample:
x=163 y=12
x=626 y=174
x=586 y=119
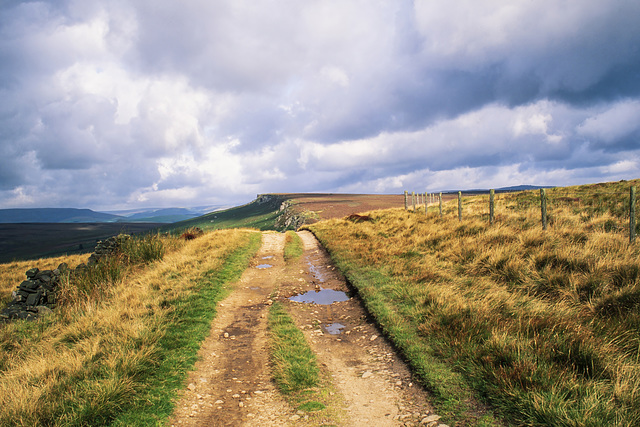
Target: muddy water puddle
x=317 y=272
x=334 y=328
x=261 y=266
x=321 y=297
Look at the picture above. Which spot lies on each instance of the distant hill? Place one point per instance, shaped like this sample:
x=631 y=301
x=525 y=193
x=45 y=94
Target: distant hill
x=168 y=215
x=504 y=189
x=55 y=215
x=524 y=187
x=72 y=215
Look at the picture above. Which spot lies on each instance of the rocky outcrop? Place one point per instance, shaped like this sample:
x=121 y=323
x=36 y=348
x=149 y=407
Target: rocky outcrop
x=35 y=296
x=272 y=199
x=288 y=217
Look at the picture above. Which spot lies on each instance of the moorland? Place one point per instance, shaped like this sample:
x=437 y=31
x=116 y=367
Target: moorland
x=503 y=323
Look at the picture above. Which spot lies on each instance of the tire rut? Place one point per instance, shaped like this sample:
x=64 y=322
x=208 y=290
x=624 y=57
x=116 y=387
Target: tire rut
x=231 y=384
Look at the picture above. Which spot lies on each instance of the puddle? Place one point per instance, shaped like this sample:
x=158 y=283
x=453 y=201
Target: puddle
x=316 y=272
x=334 y=328
x=254 y=288
x=267 y=257
x=322 y=297
x=264 y=266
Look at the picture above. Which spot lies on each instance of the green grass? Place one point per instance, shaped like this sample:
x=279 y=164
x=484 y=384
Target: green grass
x=294 y=363
x=143 y=249
x=252 y=215
x=293 y=247
x=296 y=372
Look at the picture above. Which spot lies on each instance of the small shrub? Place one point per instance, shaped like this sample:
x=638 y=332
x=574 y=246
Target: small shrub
x=192 y=233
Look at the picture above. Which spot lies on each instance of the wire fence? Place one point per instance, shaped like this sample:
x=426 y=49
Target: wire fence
x=619 y=204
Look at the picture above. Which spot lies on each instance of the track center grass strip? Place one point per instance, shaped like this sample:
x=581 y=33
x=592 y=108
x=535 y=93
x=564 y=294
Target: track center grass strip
x=293 y=246
x=296 y=371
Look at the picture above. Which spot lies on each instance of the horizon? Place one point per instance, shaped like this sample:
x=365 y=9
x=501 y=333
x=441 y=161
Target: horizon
x=116 y=105
x=224 y=207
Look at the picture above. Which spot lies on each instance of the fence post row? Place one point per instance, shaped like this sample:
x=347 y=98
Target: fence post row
x=543 y=207
x=632 y=214
x=430 y=197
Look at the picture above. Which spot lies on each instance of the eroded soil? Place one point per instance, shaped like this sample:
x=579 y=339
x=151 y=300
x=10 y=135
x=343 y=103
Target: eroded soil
x=231 y=384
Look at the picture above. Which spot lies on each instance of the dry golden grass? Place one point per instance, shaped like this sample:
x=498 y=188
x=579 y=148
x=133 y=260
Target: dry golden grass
x=544 y=324
x=13 y=273
x=81 y=365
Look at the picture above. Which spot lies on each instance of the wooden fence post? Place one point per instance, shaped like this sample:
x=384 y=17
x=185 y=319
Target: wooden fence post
x=459 y=205
x=406 y=204
x=491 y=199
x=632 y=214
x=426 y=203
x=440 y=196
x=543 y=207
x=413 y=200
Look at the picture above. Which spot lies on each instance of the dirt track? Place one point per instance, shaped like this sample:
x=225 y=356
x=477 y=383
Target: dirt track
x=231 y=384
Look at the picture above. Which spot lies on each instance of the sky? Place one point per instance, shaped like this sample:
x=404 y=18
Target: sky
x=114 y=104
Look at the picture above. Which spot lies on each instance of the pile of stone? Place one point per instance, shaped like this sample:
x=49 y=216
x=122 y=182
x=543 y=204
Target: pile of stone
x=107 y=248
x=36 y=296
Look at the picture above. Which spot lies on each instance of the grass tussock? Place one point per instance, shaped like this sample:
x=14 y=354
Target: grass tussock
x=96 y=281
x=542 y=325
x=118 y=356
x=293 y=247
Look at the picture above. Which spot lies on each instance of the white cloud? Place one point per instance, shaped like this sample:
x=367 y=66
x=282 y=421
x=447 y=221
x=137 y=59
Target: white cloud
x=617 y=121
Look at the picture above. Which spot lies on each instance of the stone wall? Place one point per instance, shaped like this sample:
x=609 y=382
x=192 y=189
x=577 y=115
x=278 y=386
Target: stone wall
x=35 y=296
x=38 y=295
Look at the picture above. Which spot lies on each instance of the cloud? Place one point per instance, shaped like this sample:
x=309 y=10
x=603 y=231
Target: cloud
x=109 y=103
x=615 y=128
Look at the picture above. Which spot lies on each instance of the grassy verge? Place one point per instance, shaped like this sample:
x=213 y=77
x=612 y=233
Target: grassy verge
x=455 y=398
x=118 y=357
x=296 y=371
x=541 y=325
x=188 y=326
x=293 y=247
